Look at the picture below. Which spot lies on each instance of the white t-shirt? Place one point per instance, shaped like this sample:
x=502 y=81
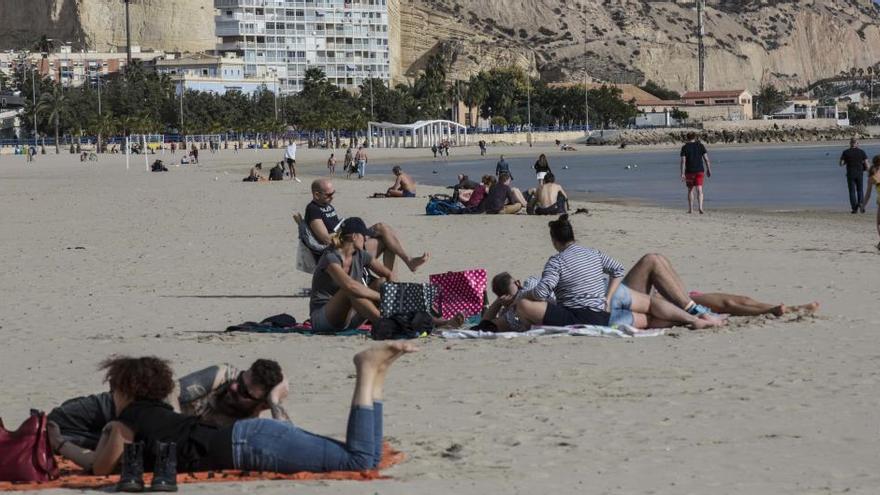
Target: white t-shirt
x=291 y=152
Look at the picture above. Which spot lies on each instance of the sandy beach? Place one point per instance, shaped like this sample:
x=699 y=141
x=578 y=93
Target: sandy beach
x=99 y=260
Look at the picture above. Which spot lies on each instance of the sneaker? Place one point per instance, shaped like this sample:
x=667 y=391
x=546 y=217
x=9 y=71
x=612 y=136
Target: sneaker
x=297 y=179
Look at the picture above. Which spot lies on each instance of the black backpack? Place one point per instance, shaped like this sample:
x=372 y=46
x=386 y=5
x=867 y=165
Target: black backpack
x=403 y=326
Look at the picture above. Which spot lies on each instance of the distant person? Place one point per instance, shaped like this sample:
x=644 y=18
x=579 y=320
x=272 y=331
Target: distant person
x=504 y=199
x=256 y=174
x=502 y=166
x=404 y=185
x=482 y=148
x=856 y=162
x=348 y=164
x=331 y=164
x=290 y=159
x=542 y=166
x=360 y=159
x=693 y=157
x=550 y=198
x=195 y=153
x=874 y=184
x=277 y=172
x=434 y=149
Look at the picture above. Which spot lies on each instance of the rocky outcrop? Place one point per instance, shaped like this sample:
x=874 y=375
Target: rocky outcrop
x=171 y=25
x=749 y=42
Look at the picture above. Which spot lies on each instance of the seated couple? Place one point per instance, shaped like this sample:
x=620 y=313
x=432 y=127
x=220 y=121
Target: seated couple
x=321 y=221
x=572 y=290
x=343 y=296
x=139 y=387
x=404 y=186
x=490 y=197
x=548 y=199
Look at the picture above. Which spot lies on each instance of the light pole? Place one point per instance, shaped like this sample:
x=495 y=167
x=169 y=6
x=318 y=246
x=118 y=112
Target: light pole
x=490 y=119
x=127 y=35
x=34 y=92
x=529 y=103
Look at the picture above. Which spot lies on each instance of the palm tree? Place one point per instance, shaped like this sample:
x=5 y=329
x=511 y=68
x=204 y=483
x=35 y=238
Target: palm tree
x=54 y=103
x=103 y=125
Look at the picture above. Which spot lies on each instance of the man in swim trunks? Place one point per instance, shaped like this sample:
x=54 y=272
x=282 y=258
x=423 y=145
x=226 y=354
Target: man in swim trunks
x=549 y=199
x=404 y=185
x=693 y=157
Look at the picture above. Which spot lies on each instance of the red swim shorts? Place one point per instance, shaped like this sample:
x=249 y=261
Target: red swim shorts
x=694 y=179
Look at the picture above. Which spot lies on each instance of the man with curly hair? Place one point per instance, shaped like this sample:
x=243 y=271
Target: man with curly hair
x=217 y=395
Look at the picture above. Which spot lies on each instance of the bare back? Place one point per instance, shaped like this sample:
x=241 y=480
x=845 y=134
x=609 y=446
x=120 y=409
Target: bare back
x=548 y=194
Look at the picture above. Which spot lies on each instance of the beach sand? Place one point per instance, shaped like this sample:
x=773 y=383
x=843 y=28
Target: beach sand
x=98 y=260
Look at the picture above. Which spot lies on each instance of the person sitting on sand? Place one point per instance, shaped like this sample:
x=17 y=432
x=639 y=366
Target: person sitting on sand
x=276 y=173
x=404 y=186
x=216 y=395
x=139 y=386
x=549 y=198
x=321 y=220
x=576 y=277
x=873 y=184
x=478 y=194
x=256 y=174
x=502 y=198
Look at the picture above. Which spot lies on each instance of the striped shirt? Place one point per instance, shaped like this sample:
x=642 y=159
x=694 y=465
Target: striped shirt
x=577 y=277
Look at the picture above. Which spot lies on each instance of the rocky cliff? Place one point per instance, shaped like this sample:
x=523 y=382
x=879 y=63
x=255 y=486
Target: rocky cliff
x=186 y=25
x=749 y=42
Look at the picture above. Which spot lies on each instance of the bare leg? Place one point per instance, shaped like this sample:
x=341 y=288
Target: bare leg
x=519 y=196
x=394 y=193
x=372 y=365
x=700 y=198
x=531 y=312
x=511 y=209
x=339 y=307
x=660 y=309
x=690 y=199
x=654 y=271
x=387 y=244
x=737 y=305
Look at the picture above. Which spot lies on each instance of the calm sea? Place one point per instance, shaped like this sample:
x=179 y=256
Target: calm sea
x=773 y=177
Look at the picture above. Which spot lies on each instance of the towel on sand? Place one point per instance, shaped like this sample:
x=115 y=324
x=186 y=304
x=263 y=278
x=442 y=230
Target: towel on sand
x=73 y=477
x=285 y=323
x=576 y=330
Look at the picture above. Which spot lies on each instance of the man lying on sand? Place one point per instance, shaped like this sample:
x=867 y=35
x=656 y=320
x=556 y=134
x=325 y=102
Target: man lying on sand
x=321 y=220
x=272 y=445
x=217 y=395
x=404 y=186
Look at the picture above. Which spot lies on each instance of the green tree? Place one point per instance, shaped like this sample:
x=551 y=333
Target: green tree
x=608 y=107
x=769 y=100
x=659 y=91
x=54 y=104
x=679 y=114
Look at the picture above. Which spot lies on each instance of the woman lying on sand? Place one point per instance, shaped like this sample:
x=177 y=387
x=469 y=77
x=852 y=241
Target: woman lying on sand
x=140 y=385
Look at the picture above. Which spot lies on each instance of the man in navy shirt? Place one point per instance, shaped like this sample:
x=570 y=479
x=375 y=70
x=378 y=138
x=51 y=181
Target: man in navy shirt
x=693 y=156
x=856 y=162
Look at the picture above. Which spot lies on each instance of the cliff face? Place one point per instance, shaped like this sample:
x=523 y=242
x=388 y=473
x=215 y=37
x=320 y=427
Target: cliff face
x=186 y=25
x=749 y=42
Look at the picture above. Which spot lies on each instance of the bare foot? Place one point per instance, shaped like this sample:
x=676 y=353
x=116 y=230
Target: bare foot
x=780 y=310
x=706 y=321
x=807 y=308
x=701 y=211
x=380 y=357
x=415 y=263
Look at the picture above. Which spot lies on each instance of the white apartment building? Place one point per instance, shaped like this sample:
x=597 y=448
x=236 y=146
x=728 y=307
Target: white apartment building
x=347 y=39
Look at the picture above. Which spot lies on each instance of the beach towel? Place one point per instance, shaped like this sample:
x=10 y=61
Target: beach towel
x=624 y=331
x=285 y=323
x=73 y=477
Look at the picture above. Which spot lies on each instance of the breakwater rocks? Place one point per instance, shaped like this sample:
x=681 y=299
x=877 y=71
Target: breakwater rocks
x=786 y=135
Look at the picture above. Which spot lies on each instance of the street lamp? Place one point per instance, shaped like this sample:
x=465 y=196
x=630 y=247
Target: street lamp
x=490 y=119
x=127 y=34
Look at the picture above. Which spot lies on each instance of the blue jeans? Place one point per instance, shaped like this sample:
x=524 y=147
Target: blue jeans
x=856 y=191
x=280 y=447
x=621 y=307
x=362 y=168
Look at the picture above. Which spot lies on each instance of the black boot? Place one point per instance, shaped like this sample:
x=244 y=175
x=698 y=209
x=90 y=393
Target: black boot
x=165 y=472
x=132 y=476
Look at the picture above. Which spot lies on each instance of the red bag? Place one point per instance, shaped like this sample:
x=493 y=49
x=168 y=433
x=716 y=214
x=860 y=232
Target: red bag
x=461 y=292
x=25 y=454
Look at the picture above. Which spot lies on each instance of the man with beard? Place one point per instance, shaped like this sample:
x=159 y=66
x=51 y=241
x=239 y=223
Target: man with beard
x=218 y=395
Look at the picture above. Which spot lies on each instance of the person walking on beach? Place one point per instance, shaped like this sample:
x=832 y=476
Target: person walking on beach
x=361 y=159
x=856 y=162
x=874 y=184
x=290 y=159
x=502 y=166
x=542 y=167
x=331 y=164
x=693 y=158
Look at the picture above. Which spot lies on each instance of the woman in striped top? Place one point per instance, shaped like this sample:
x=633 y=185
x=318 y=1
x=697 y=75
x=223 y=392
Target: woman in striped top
x=576 y=276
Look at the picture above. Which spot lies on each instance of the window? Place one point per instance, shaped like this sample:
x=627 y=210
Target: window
x=699 y=102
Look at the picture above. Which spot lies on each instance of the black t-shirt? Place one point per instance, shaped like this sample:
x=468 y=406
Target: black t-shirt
x=200 y=447
x=276 y=173
x=326 y=213
x=693 y=157
x=497 y=197
x=854 y=158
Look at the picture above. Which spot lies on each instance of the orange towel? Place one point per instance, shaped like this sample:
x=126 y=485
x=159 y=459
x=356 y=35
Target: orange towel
x=73 y=477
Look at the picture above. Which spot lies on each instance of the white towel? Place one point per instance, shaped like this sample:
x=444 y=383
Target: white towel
x=624 y=331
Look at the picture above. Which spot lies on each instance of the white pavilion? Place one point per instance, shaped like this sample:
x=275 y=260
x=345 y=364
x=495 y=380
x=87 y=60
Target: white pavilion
x=421 y=134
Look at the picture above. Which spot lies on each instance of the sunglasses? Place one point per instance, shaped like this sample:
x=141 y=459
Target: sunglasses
x=328 y=194
x=243 y=389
